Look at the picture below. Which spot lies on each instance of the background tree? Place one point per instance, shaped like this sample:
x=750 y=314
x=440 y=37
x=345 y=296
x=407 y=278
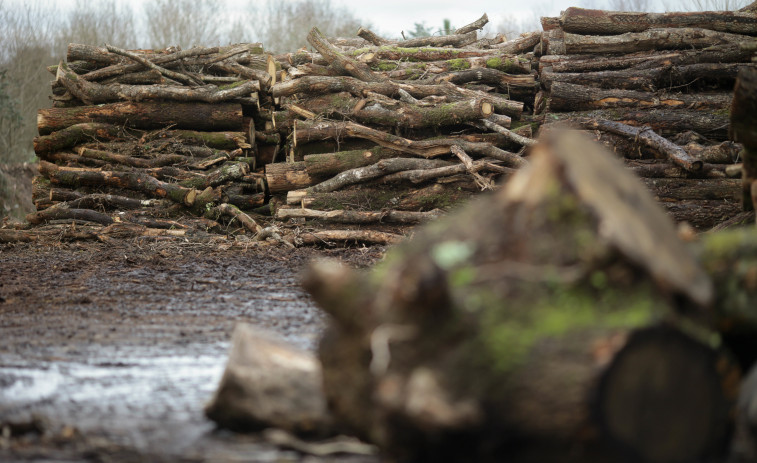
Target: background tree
x=183 y=22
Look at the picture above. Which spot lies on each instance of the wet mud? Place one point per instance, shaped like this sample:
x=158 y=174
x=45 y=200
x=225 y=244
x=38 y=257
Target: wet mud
x=108 y=352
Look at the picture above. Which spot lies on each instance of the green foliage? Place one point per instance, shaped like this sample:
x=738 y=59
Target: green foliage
x=421 y=30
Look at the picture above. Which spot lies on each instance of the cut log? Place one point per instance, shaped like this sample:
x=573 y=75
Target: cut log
x=145 y=115
x=426 y=174
x=178 y=76
x=161 y=160
x=341 y=61
x=127 y=180
x=526 y=42
x=644 y=135
x=666 y=122
x=667 y=189
x=744 y=130
x=651 y=39
x=571 y=97
x=411 y=70
x=330 y=164
x=361 y=217
x=598 y=22
x=92 y=93
x=62 y=211
x=76 y=200
x=379 y=169
x=216 y=140
x=728 y=53
x=390 y=53
x=443 y=366
x=658 y=169
x=73 y=134
x=474 y=26
x=701 y=215
x=283 y=176
x=332 y=237
x=313 y=131
x=457 y=40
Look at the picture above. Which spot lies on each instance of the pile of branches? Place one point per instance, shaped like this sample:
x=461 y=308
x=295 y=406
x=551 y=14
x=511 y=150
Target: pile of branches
x=657 y=89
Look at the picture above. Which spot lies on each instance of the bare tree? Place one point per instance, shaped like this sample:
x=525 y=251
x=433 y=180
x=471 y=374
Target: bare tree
x=183 y=22
x=26 y=47
x=105 y=21
x=283 y=26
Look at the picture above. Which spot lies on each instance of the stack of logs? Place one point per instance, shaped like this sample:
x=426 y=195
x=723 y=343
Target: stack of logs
x=672 y=73
x=379 y=134
x=157 y=139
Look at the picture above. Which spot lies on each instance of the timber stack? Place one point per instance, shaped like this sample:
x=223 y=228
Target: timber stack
x=657 y=89
x=376 y=134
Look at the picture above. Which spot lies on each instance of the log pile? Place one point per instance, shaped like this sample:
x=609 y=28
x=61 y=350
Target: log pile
x=634 y=78
x=376 y=134
x=162 y=139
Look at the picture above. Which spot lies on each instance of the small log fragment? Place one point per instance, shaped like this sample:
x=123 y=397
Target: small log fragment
x=361 y=217
x=233 y=211
x=598 y=22
x=329 y=237
x=474 y=26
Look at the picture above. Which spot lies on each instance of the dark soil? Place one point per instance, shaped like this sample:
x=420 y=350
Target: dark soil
x=109 y=352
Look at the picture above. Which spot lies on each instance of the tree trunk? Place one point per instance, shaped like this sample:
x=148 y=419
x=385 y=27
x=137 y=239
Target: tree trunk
x=145 y=115
x=598 y=22
x=379 y=169
x=330 y=164
x=509 y=63
x=665 y=189
x=651 y=39
x=525 y=43
x=335 y=57
x=744 y=130
x=284 y=176
x=328 y=237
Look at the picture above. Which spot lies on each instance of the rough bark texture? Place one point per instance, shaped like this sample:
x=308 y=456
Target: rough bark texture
x=651 y=39
x=744 y=130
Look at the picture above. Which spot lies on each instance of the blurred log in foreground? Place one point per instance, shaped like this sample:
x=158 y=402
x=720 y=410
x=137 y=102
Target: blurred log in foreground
x=534 y=325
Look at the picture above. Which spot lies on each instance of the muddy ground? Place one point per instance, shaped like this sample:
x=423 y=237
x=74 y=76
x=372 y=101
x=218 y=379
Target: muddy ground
x=109 y=352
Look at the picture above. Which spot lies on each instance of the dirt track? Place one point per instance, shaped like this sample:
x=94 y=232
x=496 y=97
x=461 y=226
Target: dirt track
x=115 y=348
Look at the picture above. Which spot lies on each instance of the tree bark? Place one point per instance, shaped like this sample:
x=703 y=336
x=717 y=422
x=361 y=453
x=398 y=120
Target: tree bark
x=411 y=70
x=651 y=39
x=571 y=97
x=598 y=22
x=145 y=115
x=457 y=40
x=65 y=211
x=426 y=174
x=525 y=43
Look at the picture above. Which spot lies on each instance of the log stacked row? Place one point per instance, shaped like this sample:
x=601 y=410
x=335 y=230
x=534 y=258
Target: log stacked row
x=160 y=139
x=672 y=73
